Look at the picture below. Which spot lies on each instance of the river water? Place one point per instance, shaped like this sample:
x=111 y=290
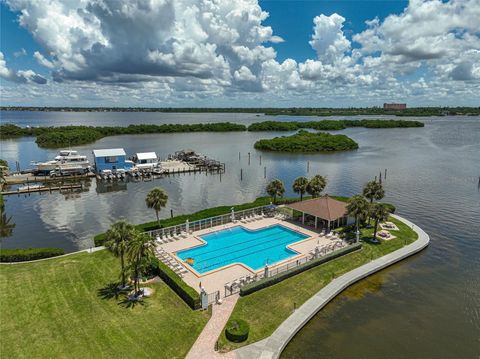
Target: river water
x=425 y=307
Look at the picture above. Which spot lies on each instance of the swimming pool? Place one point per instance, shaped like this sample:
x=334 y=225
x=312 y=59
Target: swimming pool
x=254 y=248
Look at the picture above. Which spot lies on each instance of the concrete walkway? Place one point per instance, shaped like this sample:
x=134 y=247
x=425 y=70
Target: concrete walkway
x=272 y=346
x=204 y=346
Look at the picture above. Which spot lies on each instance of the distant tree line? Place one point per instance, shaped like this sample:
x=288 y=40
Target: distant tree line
x=293 y=111
x=331 y=125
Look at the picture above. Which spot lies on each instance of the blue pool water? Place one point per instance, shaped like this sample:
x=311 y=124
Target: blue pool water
x=254 y=248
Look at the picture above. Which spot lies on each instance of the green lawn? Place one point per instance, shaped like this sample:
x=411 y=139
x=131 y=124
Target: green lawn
x=53 y=309
x=266 y=309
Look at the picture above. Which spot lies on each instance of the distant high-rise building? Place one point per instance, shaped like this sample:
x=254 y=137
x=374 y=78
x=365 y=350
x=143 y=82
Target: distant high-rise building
x=395 y=106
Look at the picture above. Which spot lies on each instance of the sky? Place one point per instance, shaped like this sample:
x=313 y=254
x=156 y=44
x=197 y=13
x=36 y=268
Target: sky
x=243 y=53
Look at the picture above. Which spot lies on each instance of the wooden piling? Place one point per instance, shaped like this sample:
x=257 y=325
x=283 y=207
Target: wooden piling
x=241 y=174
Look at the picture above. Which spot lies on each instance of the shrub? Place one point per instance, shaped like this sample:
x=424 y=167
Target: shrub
x=28 y=254
x=267 y=282
x=184 y=291
x=237 y=330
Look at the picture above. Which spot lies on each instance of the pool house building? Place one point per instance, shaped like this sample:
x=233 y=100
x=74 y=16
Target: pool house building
x=323 y=212
x=112 y=159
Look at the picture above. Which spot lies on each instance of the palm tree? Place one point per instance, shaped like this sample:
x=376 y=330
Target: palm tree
x=379 y=212
x=300 y=186
x=118 y=238
x=357 y=207
x=373 y=191
x=316 y=185
x=157 y=199
x=140 y=252
x=275 y=188
x=6 y=228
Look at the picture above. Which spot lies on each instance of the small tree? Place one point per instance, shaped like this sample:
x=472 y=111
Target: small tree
x=275 y=189
x=379 y=212
x=118 y=238
x=140 y=252
x=373 y=190
x=300 y=186
x=157 y=199
x=357 y=207
x=316 y=185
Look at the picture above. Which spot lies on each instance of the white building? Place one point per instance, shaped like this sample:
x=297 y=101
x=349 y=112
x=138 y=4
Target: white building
x=146 y=160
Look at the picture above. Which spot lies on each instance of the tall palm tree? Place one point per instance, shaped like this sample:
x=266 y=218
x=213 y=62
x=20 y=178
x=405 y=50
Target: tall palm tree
x=140 y=252
x=379 y=212
x=275 y=189
x=316 y=185
x=157 y=199
x=117 y=241
x=357 y=207
x=300 y=186
x=373 y=191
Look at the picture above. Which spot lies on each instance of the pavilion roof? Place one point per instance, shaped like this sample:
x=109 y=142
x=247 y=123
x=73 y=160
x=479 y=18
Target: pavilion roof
x=324 y=207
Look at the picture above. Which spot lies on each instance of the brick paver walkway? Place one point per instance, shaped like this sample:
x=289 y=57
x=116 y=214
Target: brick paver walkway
x=204 y=347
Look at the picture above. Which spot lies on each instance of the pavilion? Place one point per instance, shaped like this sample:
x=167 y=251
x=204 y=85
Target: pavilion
x=322 y=212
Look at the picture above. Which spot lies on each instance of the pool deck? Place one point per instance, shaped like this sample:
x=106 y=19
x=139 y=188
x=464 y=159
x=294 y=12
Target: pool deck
x=216 y=279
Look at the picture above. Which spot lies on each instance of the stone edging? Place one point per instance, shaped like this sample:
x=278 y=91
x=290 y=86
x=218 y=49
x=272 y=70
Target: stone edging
x=272 y=347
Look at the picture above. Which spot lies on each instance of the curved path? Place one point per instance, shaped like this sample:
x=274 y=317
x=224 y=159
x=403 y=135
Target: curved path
x=272 y=346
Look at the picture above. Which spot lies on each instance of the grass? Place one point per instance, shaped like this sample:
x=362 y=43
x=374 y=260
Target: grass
x=266 y=309
x=56 y=308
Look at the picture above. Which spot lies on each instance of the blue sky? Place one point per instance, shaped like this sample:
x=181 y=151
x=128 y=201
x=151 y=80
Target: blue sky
x=304 y=53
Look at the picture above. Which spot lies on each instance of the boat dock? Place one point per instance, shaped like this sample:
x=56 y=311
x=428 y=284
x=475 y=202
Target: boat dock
x=29 y=177
x=37 y=188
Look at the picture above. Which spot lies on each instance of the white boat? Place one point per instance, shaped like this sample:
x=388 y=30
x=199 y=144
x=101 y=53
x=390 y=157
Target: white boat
x=64 y=160
x=146 y=160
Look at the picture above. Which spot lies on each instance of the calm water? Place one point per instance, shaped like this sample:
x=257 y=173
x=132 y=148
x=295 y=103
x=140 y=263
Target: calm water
x=425 y=307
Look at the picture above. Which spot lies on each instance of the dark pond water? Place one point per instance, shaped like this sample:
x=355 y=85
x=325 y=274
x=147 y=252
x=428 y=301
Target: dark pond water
x=425 y=307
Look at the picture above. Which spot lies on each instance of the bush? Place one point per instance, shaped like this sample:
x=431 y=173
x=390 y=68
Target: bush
x=237 y=330
x=267 y=282
x=184 y=291
x=28 y=254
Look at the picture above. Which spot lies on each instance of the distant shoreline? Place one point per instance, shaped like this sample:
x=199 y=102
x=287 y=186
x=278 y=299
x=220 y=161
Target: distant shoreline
x=269 y=111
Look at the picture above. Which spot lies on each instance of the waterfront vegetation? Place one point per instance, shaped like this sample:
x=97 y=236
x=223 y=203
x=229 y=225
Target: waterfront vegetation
x=61 y=136
x=330 y=125
x=68 y=308
x=306 y=142
x=266 y=309
x=28 y=254
x=294 y=111
x=55 y=137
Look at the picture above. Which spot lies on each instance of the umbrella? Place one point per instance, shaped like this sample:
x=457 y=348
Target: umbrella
x=187 y=226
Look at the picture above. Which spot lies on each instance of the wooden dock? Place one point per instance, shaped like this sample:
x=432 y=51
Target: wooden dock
x=25 y=178
x=34 y=189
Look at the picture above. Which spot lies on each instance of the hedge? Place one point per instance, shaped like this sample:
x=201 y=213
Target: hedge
x=237 y=330
x=267 y=282
x=28 y=254
x=184 y=291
